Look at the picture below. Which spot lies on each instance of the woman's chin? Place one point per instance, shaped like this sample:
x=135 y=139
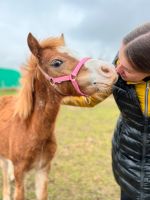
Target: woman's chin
x=126 y=78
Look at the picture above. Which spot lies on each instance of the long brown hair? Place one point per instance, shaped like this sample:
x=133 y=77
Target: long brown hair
x=137 y=48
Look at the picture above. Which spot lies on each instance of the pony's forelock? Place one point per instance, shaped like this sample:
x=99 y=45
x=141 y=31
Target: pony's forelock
x=52 y=42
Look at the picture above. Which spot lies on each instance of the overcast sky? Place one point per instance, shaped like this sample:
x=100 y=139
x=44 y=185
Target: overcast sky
x=91 y=27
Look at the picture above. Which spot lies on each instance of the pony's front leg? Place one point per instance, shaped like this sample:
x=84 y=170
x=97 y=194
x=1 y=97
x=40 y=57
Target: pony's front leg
x=41 y=183
x=6 y=181
x=19 y=183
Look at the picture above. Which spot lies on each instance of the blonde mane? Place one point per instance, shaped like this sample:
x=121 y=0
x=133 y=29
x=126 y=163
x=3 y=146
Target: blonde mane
x=24 y=102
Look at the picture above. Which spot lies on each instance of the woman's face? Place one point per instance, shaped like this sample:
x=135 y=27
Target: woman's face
x=125 y=69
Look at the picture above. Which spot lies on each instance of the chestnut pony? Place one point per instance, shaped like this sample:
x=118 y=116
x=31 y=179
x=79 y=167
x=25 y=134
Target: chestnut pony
x=27 y=120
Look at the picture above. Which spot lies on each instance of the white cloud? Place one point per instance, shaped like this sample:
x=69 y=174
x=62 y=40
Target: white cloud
x=94 y=28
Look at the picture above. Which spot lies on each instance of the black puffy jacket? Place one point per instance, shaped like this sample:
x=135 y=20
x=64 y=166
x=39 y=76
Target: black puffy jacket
x=131 y=143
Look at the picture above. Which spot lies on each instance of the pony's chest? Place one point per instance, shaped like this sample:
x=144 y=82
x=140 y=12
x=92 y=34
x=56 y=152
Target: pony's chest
x=44 y=154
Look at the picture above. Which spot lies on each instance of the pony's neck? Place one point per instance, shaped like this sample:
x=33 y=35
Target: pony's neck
x=46 y=104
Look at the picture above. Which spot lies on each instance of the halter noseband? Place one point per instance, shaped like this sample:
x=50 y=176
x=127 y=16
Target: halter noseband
x=71 y=77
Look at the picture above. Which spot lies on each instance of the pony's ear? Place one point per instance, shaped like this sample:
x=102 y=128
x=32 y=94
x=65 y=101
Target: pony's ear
x=34 y=45
x=62 y=38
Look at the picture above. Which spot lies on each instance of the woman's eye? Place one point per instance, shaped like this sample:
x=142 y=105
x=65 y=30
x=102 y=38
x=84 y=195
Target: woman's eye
x=56 y=63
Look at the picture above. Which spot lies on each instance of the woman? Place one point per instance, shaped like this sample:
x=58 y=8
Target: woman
x=131 y=141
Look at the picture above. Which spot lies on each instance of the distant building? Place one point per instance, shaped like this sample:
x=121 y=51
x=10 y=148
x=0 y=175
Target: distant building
x=9 y=78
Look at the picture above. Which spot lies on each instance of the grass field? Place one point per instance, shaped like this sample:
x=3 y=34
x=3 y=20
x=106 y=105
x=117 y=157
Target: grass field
x=81 y=169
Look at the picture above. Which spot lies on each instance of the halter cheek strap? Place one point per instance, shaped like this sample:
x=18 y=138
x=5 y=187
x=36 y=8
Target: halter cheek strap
x=71 y=77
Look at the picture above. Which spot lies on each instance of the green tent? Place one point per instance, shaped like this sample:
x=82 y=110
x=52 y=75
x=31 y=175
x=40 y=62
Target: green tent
x=9 y=78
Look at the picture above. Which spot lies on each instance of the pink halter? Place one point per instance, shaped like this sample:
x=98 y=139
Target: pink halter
x=71 y=77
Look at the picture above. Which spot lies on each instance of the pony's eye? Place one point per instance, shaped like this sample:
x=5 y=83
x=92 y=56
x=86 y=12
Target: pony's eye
x=56 y=63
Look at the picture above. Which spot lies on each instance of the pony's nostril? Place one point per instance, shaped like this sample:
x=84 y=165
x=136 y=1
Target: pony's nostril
x=94 y=83
x=105 y=69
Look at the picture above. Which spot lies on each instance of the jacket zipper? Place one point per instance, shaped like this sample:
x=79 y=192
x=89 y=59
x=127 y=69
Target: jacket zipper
x=146 y=100
x=144 y=138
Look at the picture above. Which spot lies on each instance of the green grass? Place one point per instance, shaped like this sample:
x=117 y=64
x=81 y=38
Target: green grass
x=7 y=91
x=81 y=169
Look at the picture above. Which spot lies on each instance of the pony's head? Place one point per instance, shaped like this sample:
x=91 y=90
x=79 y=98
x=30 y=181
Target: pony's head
x=67 y=73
